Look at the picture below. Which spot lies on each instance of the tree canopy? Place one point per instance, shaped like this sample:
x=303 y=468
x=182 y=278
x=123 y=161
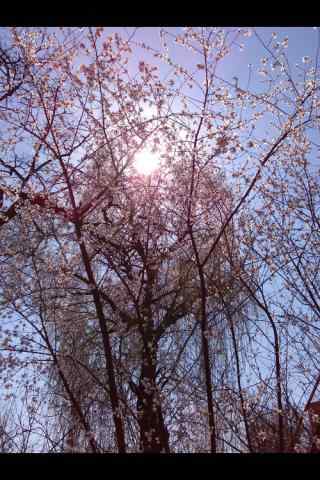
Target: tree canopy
x=159 y=229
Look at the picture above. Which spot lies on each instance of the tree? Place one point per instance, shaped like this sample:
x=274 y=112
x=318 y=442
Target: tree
x=161 y=309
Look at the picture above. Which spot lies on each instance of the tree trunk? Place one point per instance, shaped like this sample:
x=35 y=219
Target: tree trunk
x=154 y=436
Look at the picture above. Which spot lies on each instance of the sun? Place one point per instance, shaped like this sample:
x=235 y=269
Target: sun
x=146 y=162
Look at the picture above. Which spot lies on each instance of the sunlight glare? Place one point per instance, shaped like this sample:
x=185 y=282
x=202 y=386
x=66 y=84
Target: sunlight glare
x=146 y=162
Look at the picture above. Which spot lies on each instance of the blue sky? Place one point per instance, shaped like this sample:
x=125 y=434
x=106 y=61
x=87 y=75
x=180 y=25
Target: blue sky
x=302 y=42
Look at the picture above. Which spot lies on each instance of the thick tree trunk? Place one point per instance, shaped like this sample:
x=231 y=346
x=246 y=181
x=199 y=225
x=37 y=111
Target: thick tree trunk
x=154 y=436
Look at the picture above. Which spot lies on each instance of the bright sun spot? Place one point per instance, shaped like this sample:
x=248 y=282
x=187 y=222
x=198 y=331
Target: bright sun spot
x=146 y=162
